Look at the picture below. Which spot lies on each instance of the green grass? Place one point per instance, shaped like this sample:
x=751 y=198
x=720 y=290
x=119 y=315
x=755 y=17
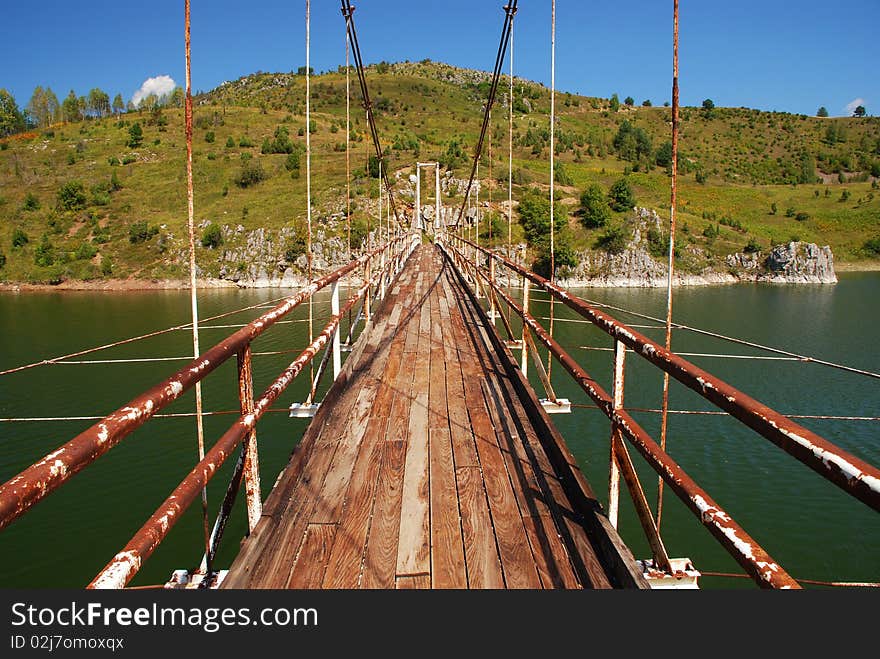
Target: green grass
x=746 y=154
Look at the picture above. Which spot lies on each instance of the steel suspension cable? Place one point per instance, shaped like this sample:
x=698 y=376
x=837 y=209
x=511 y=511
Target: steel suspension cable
x=188 y=127
x=552 y=175
x=309 y=177
x=348 y=136
x=510 y=148
x=347 y=12
x=510 y=10
x=672 y=203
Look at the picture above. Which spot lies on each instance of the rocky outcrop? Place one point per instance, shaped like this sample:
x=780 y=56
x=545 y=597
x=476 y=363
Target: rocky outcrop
x=635 y=267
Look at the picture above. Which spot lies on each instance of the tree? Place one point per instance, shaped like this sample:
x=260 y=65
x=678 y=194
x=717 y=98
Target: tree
x=594 y=206
x=11 y=118
x=646 y=103
x=373 y=166
x=621 y=197
x=708 y=104
x=98 y=103
x=629 y=100
x=72 y=196
x=70 y=108
x=118 y=104
x=534 y=215
x=614 y=103
x=822 y=112
x=663 y=157
x=177 y=97
x=43 y=106
x=860 y=111
x=632 y=143
x=135 y=136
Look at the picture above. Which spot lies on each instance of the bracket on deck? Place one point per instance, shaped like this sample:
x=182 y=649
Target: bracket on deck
x=185 y=580
x=559 y=406
x=304 y=410
x=683 y=577
x=514 y=344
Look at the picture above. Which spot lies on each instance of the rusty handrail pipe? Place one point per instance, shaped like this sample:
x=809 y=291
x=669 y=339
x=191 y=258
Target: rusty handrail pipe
x=30 y=486
x=852 y=474
x=125 y=564
x=741 y=546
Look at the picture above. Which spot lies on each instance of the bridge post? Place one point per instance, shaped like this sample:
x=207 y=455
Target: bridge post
x=369 y=285
x=614 y=466
x=524 y=361
x=253 y=498
x=492 y=310
x=334 y=311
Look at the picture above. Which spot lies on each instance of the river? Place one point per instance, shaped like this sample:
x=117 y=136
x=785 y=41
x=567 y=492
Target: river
x=808 y=525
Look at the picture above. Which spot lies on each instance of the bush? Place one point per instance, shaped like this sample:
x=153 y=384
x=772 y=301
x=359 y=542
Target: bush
x=561 y=175
x=128 y=159
x=620 y=196
x=701 y=177
x=594 y=207
x=802 y=216
x=19 y=238
x=210 y=137
x=658 y=244
x=106 y=266
x=140 y=232
x=85 y=252
x=115 y=183
x=72 y=196
x=31 y=202
x=212 y=236
x=113 y=161
x=534 y=215
x=44 y=254
x=2 y=260
x=872 y=246
x=663 y=157
x=135 y=136
x=251 y=173
x=292 y=162
x=230 y=143
x=613 y=240
x=245 y=142
x=790 y=212
x=752 y=247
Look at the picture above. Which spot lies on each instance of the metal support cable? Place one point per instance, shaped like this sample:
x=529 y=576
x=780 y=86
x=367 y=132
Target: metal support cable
x=347 y=12
x=309 y=168
x=672 y=204
x=188 y=127
x=510 y=10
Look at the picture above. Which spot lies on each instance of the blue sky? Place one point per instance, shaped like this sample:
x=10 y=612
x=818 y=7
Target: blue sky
x=771 y=55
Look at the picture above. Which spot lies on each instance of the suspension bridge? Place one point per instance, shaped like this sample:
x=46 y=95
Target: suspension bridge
x=431 y=461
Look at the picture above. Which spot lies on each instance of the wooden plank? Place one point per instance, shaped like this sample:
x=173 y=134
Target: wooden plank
x=481 y=553
x=413 y=554
x=313 y=556
x=380 y=561
x=414 y=582
x=447 y=551
x=551 y=557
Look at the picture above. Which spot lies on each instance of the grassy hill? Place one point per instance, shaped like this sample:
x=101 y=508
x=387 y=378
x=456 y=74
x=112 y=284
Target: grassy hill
x=91 y=206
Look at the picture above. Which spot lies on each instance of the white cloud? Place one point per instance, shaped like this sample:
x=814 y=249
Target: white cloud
x=853 y=104
x=160 y=86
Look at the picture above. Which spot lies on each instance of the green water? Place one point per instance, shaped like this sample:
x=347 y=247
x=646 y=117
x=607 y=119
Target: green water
x=808 y=525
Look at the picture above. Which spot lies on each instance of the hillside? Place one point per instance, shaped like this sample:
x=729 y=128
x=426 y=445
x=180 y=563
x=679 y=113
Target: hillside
x=123 y=209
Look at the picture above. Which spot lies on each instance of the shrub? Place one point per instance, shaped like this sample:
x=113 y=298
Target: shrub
x=790 y=212
x=115 y=183
x=752 y=247
x=292 y=162
x=85 y=252
x=19 y=238
x=844 y=196
x=106 y=266
x=251 y=173
x=594 y=207
x=44 y=254
x=802 y=216
x=212 y=236
x=280 y=144
x=245 y=142
x=873 y=246
x=113 y=161
x=140 y=232
x=135 y=136
x=71 y=159
x=128 y=159
x=72 y=196
x=658 y=244
x=230 y=143
x=31 y=202
x=773 y=208
x=210 y=137
x=534 y=215
x=2 y=260
x=613 y=240
x=561 y=175
x=620 y=196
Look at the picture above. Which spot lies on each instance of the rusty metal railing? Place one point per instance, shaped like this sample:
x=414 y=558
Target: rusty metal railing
x=854 y=476
x=30 y=486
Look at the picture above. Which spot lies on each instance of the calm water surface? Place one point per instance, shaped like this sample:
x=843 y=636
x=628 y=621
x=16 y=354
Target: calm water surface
x=808 y=525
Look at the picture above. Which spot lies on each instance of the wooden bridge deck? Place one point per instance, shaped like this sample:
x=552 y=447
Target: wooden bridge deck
x=431 y=465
